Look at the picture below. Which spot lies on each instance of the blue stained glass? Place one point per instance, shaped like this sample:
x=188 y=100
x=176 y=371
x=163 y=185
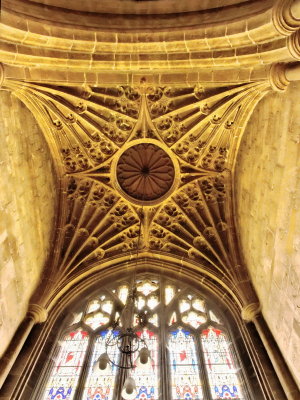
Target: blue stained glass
x=67 y=367
x=186 y=383
x=100 y=384
x=223 y=379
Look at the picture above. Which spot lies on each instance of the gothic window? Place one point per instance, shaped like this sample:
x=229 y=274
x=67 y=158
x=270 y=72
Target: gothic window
x=192 y=354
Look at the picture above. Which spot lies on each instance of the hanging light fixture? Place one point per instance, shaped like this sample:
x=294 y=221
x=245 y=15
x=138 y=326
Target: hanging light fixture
x=125 y=340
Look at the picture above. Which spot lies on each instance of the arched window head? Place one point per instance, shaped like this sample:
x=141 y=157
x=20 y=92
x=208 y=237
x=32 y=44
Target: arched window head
x=184 y=348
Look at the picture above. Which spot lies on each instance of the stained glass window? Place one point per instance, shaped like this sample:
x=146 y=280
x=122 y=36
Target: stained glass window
x=223 y=379
x=169 y=293
x=184 y=366
x=176 y=332
x=100 y=384
x=67 y=366
x=147 y=378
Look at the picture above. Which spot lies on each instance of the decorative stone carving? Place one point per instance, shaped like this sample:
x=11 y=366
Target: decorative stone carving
x=168 y=148
x=250 y=311
x=38 y=313
x=286 y=16
x=145 y=172
x=278 y=78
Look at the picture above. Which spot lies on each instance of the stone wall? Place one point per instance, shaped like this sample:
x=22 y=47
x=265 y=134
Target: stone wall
x=267 y=187
x=27 y=204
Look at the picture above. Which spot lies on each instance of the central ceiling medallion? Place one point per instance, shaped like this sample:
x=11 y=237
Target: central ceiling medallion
x=145 y=173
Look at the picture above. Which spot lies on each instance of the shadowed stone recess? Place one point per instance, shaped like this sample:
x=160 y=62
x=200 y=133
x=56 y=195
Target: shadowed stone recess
x=145 y=172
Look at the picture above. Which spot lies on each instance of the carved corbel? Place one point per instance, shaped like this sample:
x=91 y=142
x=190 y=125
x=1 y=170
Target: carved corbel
x=37 y=313
x=251 y=311
x=286 y=16
x=281 y=74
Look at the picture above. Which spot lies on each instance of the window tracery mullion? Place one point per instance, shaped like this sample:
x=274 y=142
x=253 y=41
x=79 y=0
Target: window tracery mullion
x=85 y=368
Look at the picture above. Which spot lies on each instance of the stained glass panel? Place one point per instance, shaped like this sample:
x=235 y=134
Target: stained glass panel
x=140 y=302
x=193 y=319
x=223 y=379
x=154 y=320
x=184 y=305
x=152 y=302
x=123 y=293
x=67 y=367
x=93 y=306
x=146 y=379
x=185 y=383
x=100 y=384
x=199 y=305
x=169 y=294
x=147 y=287
x=173 y=318
x=107 y=306
x=96 y=320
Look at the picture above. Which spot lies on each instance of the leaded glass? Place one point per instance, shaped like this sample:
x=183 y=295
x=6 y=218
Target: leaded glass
x=184 y=366
x=123 y=293
x=194 y=319
x=100 y=384
x=182 y=316
x=93 y=306
x=173 y=318
x=184 y=305
x=96 y=320
x=152 y=302
x=107 y=306
x=169 y=294
x=147 y=378
x=154 y=320
x=199 y=305
x=223 y=379
x=140 y=302
x=67 y=367
x=147 y=287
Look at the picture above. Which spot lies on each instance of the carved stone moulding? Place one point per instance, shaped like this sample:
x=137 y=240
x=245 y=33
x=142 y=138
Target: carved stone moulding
x=145 y=173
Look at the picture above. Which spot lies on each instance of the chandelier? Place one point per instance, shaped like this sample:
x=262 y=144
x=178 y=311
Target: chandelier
x=124 y=339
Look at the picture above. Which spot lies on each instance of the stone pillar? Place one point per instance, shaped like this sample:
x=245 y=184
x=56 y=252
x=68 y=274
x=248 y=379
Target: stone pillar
x=36 y=315
x=251 y=313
